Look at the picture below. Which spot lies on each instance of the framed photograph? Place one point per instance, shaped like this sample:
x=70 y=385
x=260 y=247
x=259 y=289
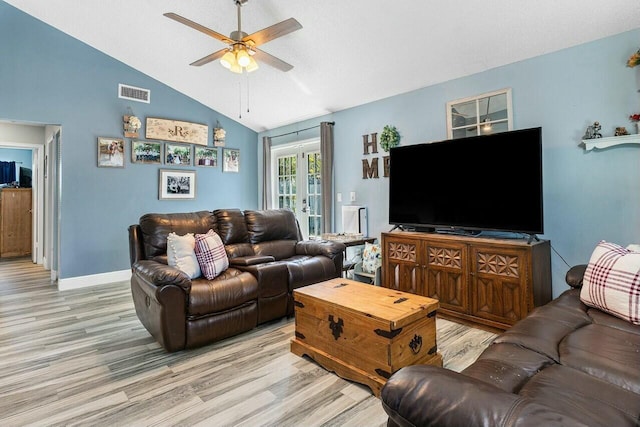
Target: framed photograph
x=206 y=157
x=177 y=185
x=110 y=152
x=177 y=131
x=230 y=160
x=177 y=154
x=146 y=152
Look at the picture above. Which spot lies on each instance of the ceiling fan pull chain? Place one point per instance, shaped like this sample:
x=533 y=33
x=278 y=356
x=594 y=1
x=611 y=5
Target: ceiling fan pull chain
x=240 y=98
x=247 y=92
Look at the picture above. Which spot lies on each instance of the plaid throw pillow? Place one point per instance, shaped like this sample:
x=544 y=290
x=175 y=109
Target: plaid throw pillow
x=211 y=254
x=612 y=282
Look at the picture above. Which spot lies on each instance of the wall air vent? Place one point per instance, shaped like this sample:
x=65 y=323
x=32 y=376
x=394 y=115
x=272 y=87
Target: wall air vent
x=133 y=93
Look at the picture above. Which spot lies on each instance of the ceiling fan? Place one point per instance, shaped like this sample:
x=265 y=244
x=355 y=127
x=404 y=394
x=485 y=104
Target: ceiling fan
x=242 y=50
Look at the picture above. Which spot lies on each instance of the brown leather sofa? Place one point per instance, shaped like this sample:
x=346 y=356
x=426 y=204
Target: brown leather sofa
x=268 y=259
x=565 y=364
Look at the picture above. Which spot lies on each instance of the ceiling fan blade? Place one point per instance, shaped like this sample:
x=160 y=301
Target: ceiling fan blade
x=209 y=58
x=198 y=27
x=266 y=58
x=273 y=32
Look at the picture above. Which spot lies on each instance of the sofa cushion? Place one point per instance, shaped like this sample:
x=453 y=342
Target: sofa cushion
x=583 y=397
x=605 y=353
x=268 y=225
x=230 y=289
x=211 y=254
x=156 y=227
x=231 y=226
x=279 y=249
x=612 y=281
x=181 y=254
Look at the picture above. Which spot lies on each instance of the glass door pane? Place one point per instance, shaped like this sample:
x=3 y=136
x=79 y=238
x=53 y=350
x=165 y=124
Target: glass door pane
x=297 y=185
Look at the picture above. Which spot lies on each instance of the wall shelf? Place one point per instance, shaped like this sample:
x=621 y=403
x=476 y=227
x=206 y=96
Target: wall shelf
x=600 y=143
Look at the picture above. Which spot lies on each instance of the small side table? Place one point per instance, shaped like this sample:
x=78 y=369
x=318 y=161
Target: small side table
x=348 y=241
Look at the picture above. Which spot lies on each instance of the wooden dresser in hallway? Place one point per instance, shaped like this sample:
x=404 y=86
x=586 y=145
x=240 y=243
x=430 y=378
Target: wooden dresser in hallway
x=15 y=222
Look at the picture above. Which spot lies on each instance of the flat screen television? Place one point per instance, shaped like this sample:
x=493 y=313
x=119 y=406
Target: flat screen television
x=25 y=177
x=490 y=182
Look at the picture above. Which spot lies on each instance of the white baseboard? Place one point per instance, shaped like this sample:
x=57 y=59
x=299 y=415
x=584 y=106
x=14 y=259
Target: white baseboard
x=93 y=280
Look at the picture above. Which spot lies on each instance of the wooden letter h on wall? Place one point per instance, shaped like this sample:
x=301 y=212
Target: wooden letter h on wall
x=373 y=144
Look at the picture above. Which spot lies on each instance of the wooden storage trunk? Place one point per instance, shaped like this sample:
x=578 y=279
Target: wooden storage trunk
x=364 y=333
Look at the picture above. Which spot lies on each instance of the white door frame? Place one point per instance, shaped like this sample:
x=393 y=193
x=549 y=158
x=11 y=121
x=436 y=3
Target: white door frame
x=43 y=232
x=298 y=148
x=37 y=163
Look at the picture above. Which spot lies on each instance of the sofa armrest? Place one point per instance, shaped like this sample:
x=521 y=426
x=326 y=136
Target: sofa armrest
x=423 y=395
x=320 y=247
x=575 y=275
x=136 y=251
x=159 y=274
x=244 y=261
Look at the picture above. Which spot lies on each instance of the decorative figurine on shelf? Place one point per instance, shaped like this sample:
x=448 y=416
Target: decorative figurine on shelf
x=635 y=118
x=593 y=131
x=620 y=131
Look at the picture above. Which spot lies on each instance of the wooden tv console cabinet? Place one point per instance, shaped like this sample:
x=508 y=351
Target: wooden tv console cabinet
x=494 y=282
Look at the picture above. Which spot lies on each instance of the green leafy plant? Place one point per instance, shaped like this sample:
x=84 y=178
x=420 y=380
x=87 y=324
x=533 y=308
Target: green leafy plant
x=389 y=138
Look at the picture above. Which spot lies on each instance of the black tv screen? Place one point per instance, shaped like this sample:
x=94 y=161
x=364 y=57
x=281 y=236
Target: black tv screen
x=489 y=182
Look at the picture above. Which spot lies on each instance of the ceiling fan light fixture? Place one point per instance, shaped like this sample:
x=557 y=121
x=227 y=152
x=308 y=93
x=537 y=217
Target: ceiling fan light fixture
x=227 y=60
x=253 y=65
x=243 y=57
x=236 y=68
x=487 y=125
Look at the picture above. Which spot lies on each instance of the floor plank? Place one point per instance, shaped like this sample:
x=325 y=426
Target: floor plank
x=81 y=357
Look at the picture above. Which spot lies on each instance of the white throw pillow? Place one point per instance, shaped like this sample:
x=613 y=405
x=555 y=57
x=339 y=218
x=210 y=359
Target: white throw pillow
x=181 y=254
x=612 y=282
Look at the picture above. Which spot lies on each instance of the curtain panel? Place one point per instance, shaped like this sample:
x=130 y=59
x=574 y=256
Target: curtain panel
x=266 y=172
x=7 y=172
x=326 y=154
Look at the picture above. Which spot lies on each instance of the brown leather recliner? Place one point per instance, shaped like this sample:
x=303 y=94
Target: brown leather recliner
x=257 y=287
x=565 y=364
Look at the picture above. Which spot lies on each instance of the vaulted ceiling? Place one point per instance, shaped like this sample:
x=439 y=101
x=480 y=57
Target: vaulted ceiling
x=349 y=52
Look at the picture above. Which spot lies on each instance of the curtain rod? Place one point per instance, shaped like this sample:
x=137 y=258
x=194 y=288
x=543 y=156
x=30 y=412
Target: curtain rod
x=298 y=131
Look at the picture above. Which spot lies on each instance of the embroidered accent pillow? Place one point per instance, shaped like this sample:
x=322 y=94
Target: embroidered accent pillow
x=612 y=282
x=211 y=254
x=371 y=258
x=180 y=254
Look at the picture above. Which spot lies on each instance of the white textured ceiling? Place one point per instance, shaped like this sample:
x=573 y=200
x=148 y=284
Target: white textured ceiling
x=349 y=52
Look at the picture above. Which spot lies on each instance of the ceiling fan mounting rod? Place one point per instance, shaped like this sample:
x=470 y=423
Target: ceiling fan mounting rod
x=239 y=6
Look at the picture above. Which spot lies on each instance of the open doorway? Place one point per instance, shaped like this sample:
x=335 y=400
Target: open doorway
x=39 y=148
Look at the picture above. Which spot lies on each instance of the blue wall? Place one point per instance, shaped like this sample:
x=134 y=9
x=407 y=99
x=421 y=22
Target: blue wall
x=588 y=196
x=49 y=77
x=22 y=157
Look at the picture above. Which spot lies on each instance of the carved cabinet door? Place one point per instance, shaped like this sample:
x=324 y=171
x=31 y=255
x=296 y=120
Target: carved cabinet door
x=499 y=283
x=446 y=275
x=402 y=269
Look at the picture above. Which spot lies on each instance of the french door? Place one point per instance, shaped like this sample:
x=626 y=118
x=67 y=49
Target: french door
x=296 y=183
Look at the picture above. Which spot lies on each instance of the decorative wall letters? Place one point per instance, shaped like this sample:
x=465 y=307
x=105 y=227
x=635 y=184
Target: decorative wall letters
x=370 y=168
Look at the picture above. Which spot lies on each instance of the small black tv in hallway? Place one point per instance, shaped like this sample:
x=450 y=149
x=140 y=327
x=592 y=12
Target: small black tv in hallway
x=489 y=182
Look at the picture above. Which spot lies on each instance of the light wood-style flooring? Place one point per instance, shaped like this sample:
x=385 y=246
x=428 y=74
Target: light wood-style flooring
x=82 y=358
